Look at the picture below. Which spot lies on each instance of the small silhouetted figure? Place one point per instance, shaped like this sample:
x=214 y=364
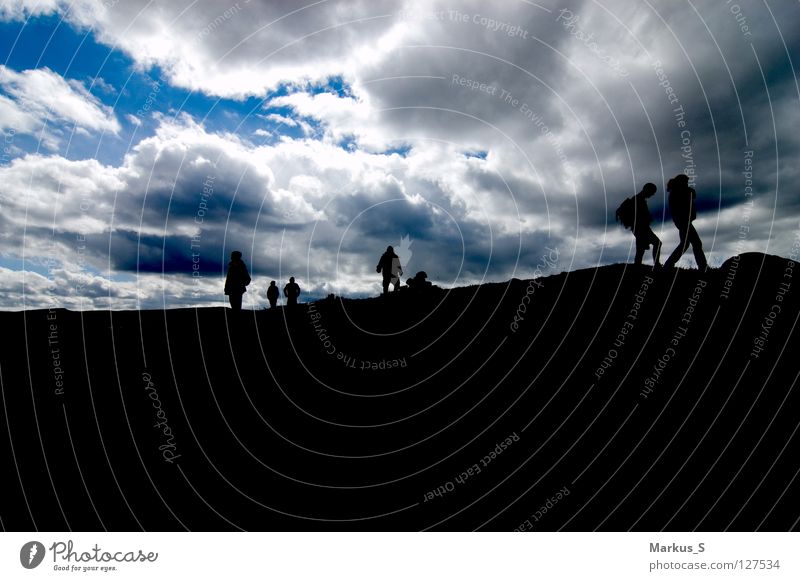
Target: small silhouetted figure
x=390 y=266
x=291 y=291
x=272 y=295
x=236 y=280
x=641 y=226
x=682 y=207
x=419 y=282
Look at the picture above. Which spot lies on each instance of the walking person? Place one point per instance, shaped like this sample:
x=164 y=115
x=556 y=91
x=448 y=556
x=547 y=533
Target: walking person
x=682 y=207
x=634 y=214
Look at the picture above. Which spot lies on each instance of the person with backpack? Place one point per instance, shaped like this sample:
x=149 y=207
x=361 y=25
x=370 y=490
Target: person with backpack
x=682 y=208
x=633 y=213
x=236 y=280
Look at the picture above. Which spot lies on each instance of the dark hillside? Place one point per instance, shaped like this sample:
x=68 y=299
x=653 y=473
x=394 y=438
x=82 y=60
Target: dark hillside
x=609 y=398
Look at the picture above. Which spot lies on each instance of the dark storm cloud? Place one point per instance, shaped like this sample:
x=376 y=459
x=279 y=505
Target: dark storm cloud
x=575 y=108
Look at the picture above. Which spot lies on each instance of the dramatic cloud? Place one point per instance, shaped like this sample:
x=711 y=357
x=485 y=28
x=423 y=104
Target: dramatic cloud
x=309 y=206
x=483 y=133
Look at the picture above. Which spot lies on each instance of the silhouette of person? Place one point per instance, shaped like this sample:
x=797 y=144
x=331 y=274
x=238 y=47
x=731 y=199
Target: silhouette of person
x=291 y=291
x=389 y=265
x=272 y=295
x=641 y=226
x=236 y=280
x=682 y=207
x=419 y=282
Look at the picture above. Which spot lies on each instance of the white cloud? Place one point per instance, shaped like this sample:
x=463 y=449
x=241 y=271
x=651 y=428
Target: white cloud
x=12 y=116
x=239 y=49
x=36 y=97
x=20 y=9
x=281 y=119
x=341 y=117
x=103 y=85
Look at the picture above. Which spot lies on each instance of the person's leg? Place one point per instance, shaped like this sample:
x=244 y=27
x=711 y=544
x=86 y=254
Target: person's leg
x=697 y=247
x=679 y=250
x=386 y=281
x=236 y=301
x=656 y=242
x=639 y=253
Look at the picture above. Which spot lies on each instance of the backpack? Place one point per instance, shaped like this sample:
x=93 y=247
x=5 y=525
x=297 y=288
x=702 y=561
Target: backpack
x=626 y=213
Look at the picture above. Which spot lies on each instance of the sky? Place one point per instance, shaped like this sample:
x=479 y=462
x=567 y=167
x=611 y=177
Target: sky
x=144 y=141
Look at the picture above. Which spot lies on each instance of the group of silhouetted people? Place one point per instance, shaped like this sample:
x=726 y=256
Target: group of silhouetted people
x=238 y=279
x=391 y=269
x=633 y=213
x=681 y=200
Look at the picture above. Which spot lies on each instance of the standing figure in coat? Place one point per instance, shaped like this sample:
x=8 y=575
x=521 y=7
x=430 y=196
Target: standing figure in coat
x=291 y=291
x=236 y=280
x=273 y=294
x=389 y=265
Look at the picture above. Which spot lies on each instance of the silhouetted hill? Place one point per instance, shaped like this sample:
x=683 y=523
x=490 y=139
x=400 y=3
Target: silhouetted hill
x=609 y=398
